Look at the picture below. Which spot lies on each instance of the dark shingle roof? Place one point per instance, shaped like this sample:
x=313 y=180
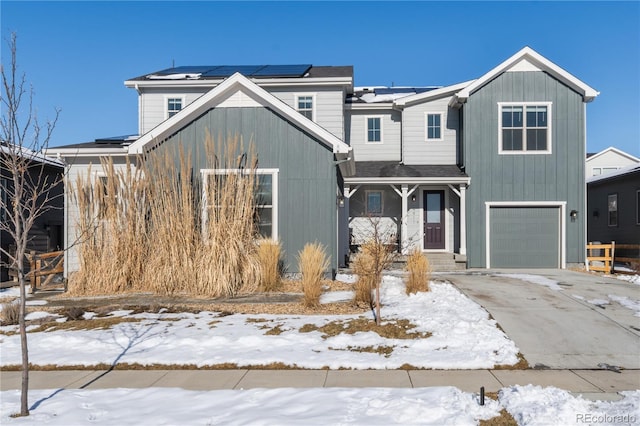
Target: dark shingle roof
x=372 y=169
x=209 y=72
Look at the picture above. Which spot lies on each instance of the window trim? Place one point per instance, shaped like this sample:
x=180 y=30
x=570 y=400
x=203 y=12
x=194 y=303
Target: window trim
x=614 y=225
x=313 y=103
x=524 y=151
x=638 y=207
x=426 y=126
x=366 y=129
x=166 y=104
x=366 y=202
x=601 y=168
x=204 y=173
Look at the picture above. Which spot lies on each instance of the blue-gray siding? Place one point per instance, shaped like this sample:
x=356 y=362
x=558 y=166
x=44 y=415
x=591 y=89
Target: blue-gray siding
x=307 y=177
x=558 y=176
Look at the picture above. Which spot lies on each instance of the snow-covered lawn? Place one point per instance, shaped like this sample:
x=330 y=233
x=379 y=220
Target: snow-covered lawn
x=461 y=336
x=529 y=405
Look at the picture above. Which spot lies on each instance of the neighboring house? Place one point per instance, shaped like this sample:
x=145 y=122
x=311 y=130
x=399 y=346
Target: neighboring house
x=47 y=232
x=607 y=161
x=490 y=171
x=613 y=206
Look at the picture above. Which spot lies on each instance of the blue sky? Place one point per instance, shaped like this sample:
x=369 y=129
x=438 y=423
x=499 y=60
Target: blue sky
x=78 y=54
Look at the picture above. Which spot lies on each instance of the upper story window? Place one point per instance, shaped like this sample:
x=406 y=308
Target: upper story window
x=612 y=207
x=304 y=105
x=597 y=171
x=525 y=128
x=374 y=129
x=174 y=105
x=434 y=126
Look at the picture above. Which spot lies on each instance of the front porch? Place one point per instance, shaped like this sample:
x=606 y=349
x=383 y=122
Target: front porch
x=412 y=207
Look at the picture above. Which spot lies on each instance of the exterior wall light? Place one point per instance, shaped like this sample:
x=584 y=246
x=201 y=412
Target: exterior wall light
x=573 y=215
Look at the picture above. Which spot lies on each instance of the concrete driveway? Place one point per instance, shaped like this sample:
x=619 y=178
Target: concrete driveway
x=570 y=320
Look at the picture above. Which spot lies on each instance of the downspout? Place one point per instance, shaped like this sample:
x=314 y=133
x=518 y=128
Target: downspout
x=584 y=207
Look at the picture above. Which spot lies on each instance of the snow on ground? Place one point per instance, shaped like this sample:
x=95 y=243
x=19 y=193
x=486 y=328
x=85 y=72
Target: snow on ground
x=529 y=405
x=633 y=279
x=463 y=337
x=535 y=279
x=336 y=296
x=634 y=305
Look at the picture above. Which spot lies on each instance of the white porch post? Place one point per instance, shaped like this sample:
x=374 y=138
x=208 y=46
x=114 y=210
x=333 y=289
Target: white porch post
x=404 y=230
x=463 y=219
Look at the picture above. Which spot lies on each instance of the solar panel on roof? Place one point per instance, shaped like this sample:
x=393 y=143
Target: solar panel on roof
x=186 y=69
x=227 y=70
x=282 y=71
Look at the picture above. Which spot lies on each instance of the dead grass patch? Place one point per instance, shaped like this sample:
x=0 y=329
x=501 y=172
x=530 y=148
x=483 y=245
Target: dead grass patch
x=275 y=331
x=393 y=329
x=503 y=419
x=93 y=324
x=10 y=314
x=522 y=364
x=386 y=351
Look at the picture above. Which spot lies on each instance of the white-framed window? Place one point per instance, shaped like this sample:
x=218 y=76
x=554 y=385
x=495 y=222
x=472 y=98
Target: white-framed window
x=174 y=106
x=597 y=171
x=524 y=127
x=374 y=205
x=612 y=209
x=266 y=196
x=433 y=126
x=305 y=105
x=374 y=129
x=638 y=207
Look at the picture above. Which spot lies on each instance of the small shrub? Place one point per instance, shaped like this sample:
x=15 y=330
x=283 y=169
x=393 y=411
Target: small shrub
x=312 y=263
x=10 y=314
x=362 y=266
x=269 y=256
x=419 y=272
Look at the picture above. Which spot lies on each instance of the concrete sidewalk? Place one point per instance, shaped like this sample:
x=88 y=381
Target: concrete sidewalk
x=592 y=384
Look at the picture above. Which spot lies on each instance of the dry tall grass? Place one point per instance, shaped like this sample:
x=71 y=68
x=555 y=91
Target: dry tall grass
x=312 y=263
x=362 y=266
x=159 y=227
x=10 y=313
x=419 y=272
x=270 y=257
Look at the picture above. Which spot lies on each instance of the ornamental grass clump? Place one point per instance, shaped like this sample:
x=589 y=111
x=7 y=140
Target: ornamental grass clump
x=270 y=259
x=312 y=263
x=168 y=225
x=362 y=266
x=419 y=272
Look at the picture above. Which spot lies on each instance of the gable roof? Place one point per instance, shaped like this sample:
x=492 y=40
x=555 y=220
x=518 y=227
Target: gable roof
x=528 y=57
x=633 y=168
x=237 y=91
x=26 y=153
x=431 y=94
x=614 y=150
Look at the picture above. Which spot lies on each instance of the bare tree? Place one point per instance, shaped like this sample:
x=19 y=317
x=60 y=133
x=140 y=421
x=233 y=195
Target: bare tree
x=28 y=188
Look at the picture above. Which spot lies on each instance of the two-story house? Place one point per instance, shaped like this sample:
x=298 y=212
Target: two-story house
x=488 y=170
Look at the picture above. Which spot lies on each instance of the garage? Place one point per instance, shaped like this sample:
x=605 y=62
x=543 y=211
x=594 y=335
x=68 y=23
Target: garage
x=524 y=236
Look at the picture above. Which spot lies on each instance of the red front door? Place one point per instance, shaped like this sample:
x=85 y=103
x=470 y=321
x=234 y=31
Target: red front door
x=434 y=232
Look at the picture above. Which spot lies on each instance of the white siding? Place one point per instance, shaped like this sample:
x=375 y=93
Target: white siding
x=329 y=105
x=608 y=160
x=388 y=149
x=417 y=150
x=79 y=166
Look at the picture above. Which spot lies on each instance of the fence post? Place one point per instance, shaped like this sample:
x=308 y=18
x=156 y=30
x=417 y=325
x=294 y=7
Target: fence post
x=613 y=256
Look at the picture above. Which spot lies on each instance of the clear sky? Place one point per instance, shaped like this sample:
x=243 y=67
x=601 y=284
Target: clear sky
x=78 y=54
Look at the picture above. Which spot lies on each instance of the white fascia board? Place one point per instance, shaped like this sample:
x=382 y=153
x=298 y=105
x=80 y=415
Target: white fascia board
x=267 y=82
x=432 y=94
x=369 y=106
x=88 y=152
x=406 y=180
x=587 y=92
x=617 y=151
x=26 y=153
x=232 y=84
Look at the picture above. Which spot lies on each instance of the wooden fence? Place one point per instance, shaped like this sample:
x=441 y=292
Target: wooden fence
x=603 y=257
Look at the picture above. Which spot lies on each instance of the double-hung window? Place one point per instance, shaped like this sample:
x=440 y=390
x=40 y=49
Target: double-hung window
x=612 y=210
x=434 y=126
x=174 y=105
x=265 y=196
x=525 y=128
x=304 y=105
x=374 y=129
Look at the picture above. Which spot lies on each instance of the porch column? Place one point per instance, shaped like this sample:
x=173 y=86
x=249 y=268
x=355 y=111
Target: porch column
x=404 y=229
x=463 y=219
